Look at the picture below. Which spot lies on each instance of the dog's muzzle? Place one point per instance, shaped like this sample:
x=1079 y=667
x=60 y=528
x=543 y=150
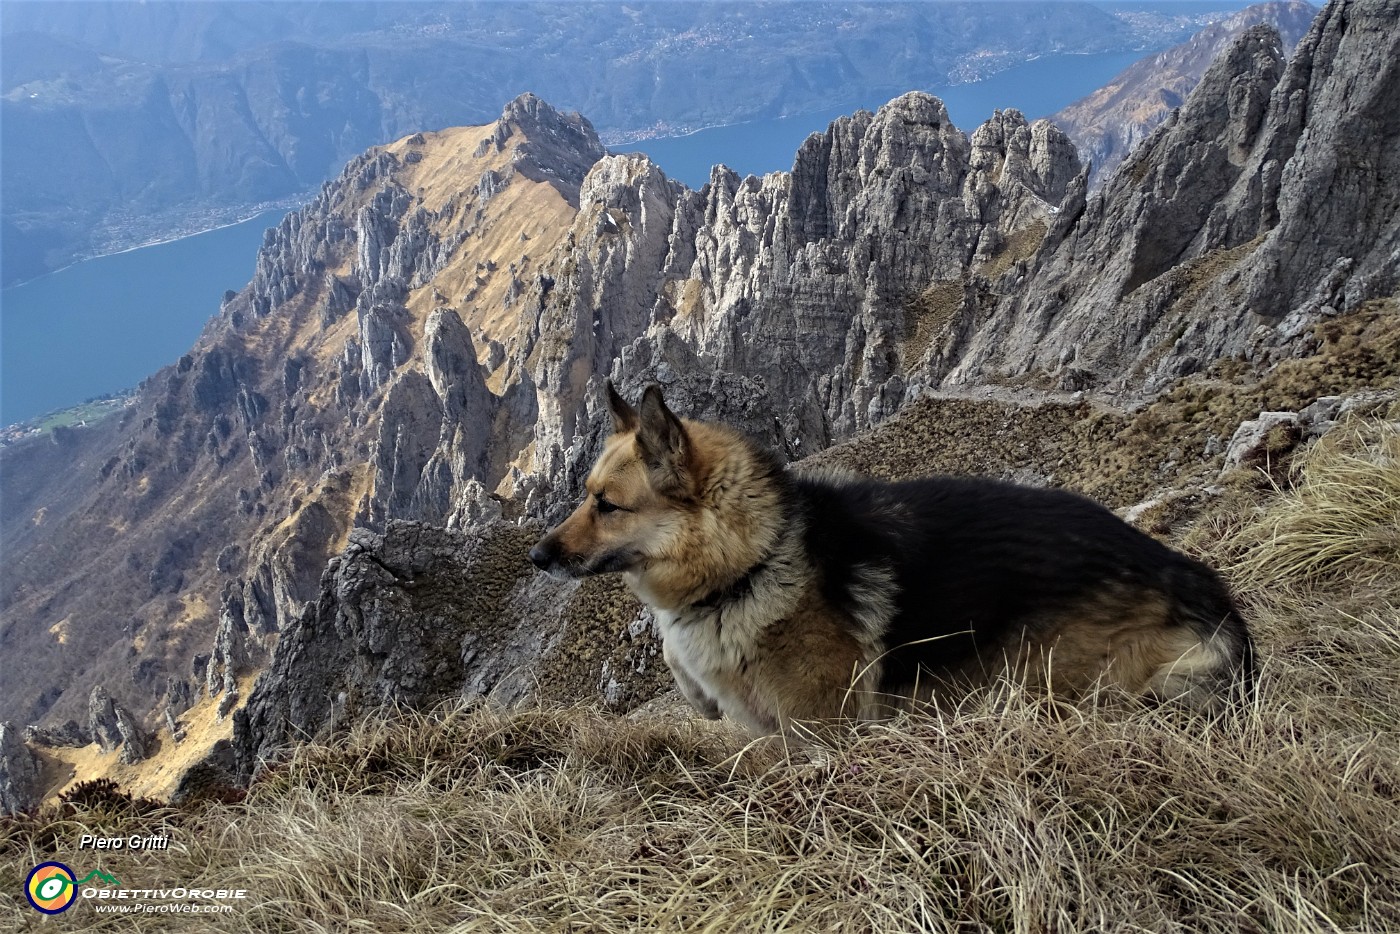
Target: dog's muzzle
x=549 y=557
x=545 y=555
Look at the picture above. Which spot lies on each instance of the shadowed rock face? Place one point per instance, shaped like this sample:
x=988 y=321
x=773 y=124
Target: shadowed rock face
x=423 y=347
x=419 y=615
x=20 y=788
x=1108 y=124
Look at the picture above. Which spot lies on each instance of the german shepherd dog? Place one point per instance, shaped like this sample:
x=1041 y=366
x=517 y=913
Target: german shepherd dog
x=787 y=598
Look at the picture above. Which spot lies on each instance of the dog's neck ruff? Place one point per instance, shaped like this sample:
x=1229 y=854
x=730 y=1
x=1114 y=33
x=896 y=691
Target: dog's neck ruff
x=778 y=569
x=730 y=593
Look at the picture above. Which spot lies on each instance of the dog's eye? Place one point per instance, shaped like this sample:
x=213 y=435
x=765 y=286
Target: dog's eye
x=605 y=506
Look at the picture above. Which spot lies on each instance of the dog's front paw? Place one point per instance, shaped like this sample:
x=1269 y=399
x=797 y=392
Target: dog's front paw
x=708 y=707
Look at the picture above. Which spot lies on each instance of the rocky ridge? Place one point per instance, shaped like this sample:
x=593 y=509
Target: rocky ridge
x=777 y=302
x=1108 y=124
x=421 y=349
x=1264 y=204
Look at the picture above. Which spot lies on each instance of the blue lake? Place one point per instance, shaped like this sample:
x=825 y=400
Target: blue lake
x=107 y=323
x=1037 y=89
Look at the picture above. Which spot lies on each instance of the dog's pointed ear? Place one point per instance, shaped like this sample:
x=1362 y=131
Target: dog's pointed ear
x=624 y=416
x=663 y=442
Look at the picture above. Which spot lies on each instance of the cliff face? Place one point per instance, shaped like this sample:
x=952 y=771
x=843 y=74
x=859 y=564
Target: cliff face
x=780 y=302
x=420 y=351
x=1265 y=202
x=1111 y=122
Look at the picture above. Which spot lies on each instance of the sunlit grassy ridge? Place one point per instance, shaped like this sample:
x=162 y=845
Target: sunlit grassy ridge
x=1003 y=815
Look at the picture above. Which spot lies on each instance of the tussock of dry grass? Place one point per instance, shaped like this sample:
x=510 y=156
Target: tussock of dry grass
x=1340 y=524
x=995 y=817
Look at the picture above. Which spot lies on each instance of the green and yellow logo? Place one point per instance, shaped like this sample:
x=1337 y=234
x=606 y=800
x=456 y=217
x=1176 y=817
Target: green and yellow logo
x=52 y=887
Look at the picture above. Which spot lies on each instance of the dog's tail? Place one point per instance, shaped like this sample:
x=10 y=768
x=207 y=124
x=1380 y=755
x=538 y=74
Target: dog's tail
x=1221 y=664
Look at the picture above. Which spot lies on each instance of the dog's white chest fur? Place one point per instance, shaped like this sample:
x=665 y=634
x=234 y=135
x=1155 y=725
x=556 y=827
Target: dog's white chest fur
x=705 y=651
x=720 y=653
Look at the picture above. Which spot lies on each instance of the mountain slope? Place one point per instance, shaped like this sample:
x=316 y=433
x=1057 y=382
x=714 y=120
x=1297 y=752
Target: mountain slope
x=240 y=455
x=426 y=341
x=1109 y=123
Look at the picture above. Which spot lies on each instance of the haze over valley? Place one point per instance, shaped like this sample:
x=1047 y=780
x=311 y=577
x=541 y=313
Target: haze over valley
x=129 y=123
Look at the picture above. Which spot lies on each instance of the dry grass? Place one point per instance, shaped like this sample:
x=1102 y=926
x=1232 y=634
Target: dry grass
x=1340 y=524
x=995 y=817
x=927 y=318
x=992 y=818
x=1018 y=246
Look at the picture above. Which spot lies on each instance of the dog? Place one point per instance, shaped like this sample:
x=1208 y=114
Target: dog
x=788 y=598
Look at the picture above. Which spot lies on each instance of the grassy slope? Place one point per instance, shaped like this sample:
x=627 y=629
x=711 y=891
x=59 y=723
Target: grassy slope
x=1002 y=816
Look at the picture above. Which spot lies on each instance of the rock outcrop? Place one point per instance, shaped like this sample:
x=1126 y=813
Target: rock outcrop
x=113 y=726
x=420 y=615
x=1269 y=437
x=1272 y=433
x=70 y=734
x=20 y=787
x=135 y=742
x=102 y=720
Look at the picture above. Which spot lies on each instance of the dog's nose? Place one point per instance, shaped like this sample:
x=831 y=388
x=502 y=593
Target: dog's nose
x=541 y=556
